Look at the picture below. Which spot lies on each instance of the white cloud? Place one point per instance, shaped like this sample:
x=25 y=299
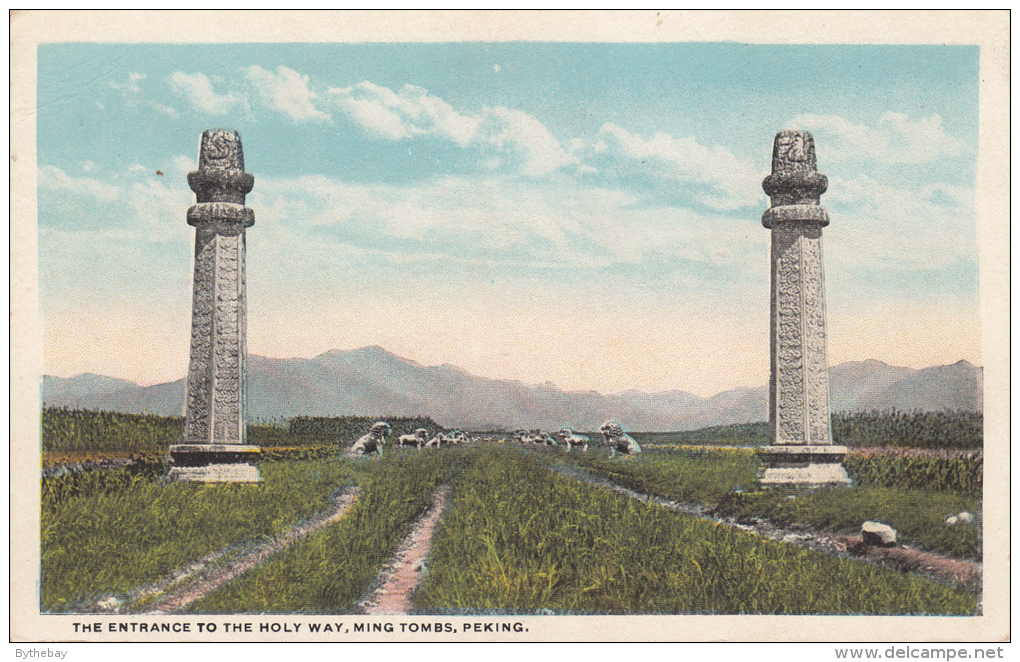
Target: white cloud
x=181 y=165
x=132 y=203
x=728 y=182
x=198 y=90
x=504 y=128
x=498 y=221
x=894 y=139
x=165 y=109
x=410 y=112
x=286 y=91
x=512 y=134
x=133 y=97
x=875 y=225
x=130 y=86
x=53 y=178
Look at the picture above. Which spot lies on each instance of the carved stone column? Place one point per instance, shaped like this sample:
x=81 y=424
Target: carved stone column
x=213 y=447
x=800 y=450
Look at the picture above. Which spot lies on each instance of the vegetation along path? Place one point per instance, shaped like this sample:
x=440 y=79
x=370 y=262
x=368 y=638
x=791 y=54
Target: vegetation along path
x=396 y=584
x=178 y=600
x=963 y=572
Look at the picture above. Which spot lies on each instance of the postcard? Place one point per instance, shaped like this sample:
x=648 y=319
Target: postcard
x=510 y=326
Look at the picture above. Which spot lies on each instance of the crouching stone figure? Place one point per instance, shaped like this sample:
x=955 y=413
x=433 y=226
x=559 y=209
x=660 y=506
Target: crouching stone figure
x=371 y=442
x=437 y=441
x=572 y=440
x=617 y=440
x=418 y=439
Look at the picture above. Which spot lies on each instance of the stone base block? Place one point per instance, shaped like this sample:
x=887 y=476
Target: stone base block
x=806 y=466
x=215 y=473
x=199 y=455
x=214 y=463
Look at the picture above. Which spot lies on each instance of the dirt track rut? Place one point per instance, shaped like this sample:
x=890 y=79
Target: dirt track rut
x=177 y=600
x=397 y=583
x=962 y=572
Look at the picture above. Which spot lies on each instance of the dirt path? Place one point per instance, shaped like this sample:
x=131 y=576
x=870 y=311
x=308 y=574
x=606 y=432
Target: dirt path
x=397 y=582
x=962 y=572
x=179 y=599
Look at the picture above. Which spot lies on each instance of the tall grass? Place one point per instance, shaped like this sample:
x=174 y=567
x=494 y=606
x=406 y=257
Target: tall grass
x=913 y=495
x=79 y=430
x=331 y=569
x=943 y=474
x=940 y=429
x=518 y=538
x=114 y=536
x=928 y=429
x=689 y=474
x=917 y=515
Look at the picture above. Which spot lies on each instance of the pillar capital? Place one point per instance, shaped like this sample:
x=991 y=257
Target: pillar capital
x=220 y=176
x=795 y=180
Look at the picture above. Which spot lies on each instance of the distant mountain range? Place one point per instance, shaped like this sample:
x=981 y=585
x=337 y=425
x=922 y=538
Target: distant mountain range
x=373 y=382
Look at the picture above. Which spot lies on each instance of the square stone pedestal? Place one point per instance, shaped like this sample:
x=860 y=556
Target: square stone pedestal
x=214 y=463
x=803 y=466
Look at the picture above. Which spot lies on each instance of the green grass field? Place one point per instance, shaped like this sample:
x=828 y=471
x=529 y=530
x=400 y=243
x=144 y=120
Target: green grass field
x=113 y=538
x=517 y=536
x=331 y=569
x=725 y=479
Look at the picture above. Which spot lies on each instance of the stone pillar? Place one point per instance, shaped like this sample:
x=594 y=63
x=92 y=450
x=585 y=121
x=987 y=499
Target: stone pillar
x=213 y=447
x=800 y=450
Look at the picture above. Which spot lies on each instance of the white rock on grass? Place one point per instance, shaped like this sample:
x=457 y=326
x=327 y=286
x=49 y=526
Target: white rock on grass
x=110 y=604
x=876 y=533
x=962 y=518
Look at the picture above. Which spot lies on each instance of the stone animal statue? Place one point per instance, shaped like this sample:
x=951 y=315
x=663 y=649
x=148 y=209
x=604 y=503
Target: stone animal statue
x=617 y=440
x=571 y=440
x=418 y=439
x=371 y=442
x=437 y=441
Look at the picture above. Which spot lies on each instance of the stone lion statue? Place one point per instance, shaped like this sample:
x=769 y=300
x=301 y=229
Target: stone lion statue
x=371 y=442
x=617 y=440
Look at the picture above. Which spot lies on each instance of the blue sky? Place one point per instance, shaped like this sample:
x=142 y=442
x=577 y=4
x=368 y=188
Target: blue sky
x=586 y=214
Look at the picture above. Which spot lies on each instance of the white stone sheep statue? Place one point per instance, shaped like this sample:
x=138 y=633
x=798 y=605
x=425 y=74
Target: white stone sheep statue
x=437 y=441
x=617 y=440
x=571 y=440
x=418 y=439
x=371 y=442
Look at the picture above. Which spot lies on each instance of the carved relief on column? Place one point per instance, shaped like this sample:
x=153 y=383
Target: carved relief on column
x=226 y=407
x=199 y=369
x=816 y=361
x=242 y=305
x=789 y=358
